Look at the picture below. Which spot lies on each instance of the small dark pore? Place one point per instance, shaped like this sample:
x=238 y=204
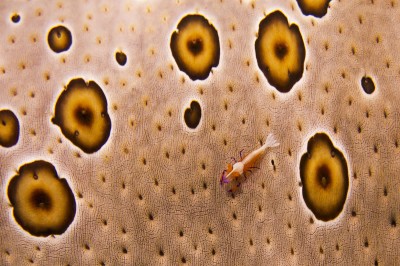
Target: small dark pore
x=393 y=222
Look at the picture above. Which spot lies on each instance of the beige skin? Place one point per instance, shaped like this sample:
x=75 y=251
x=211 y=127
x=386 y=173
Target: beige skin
x=248 y=162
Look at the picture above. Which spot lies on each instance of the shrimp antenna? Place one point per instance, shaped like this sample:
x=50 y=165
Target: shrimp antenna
x=271 y=141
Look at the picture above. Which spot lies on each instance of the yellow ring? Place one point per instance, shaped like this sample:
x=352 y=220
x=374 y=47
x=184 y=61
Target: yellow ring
x=81 y=113
x=43 y=203
x=324 y=175
x=9 y=128
x=195 y=46
x=59 y=39
x=280 y=51
x=316 y=8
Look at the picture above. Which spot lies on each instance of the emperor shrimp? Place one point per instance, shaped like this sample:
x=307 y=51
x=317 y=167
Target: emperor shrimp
x=245 y=165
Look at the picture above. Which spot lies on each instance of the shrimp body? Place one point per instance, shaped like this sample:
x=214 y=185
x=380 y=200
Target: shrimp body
x=244 y=165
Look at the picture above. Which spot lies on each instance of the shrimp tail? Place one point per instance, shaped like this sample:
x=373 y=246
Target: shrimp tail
x=271 y=141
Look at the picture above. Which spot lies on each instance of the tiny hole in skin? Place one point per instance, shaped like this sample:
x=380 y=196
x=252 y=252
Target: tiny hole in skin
x=366 y=244
x=393 y=222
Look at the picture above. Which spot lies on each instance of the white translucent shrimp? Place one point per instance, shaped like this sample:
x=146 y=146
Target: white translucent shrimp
x=247 y=163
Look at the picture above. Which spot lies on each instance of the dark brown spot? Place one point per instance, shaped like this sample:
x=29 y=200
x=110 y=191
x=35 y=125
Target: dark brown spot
x=281 y=50
x=367 y=84
x=195 y=46
x=84 y=115
x=323 y=175
x=192 y=115
x=15 y=18
x=121 y=58
x=41 y=200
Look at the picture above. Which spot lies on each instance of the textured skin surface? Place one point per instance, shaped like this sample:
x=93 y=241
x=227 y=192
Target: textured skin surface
x=170 y=209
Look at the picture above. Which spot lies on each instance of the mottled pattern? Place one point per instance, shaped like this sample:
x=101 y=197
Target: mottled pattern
x=151 y=194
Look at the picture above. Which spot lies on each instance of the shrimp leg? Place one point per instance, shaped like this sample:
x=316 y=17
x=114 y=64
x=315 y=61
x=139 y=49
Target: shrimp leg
x=241 y=154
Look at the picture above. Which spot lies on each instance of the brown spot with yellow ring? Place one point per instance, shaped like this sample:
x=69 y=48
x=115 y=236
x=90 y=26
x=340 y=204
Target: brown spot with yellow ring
x=324 y=175
x=59 y=39
x=81 y=113
x=280 y=51
x=195 y=46
x=9 y=128
x=43 y=202
x=316 y=8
